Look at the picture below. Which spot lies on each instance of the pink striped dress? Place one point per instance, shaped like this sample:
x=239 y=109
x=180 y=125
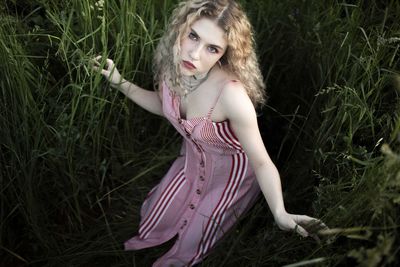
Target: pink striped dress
x=202 y=195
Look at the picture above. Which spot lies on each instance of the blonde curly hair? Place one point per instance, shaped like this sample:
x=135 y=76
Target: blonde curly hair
x=239 y=58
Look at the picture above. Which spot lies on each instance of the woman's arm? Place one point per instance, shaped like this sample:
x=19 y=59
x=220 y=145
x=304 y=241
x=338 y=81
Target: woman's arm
x=240 y=111
x=149 y=100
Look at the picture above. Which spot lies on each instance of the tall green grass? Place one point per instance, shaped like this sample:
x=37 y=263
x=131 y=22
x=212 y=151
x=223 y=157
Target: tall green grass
x=74 y=153
x=77 y=158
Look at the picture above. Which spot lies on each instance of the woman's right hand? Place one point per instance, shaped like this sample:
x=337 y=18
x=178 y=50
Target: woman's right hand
x=109 y=71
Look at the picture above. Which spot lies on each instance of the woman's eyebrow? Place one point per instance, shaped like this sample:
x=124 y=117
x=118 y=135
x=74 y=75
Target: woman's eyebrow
x=197 y=35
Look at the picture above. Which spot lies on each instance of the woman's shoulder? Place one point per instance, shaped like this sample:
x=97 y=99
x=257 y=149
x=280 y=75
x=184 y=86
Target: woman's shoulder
x=227 y=81
x=224 y=75
x=233 y=92
x=231 y=86
x=234 y=98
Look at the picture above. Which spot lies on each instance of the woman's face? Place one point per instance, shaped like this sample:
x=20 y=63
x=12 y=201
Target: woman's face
x=202 y=46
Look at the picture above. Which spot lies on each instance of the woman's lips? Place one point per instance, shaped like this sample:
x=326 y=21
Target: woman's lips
x=188 y=65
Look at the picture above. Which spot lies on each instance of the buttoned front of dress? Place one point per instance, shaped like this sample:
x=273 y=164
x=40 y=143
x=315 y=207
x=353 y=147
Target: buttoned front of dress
x=203 y=193
x=199 y=170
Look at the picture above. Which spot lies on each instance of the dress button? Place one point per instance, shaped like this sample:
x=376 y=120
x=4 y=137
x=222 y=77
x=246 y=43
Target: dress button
x=202 y=163
x=180 y=120
x=191 y=206
x=188 y=134
x=201 y=178
x=198 y=191
x=184 y=222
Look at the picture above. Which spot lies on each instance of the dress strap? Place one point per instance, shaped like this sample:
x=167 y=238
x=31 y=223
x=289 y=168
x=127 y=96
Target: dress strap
x=217 y=98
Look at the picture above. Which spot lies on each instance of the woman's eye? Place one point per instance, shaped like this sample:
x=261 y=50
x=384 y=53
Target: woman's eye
x=213 y=50
x=192 y=36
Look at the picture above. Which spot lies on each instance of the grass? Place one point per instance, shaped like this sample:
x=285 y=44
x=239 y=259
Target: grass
x=77 y=159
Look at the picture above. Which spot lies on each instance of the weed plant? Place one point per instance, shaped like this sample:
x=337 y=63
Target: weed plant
x=77 y=158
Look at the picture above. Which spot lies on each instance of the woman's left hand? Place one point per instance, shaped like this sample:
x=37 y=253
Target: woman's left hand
x=301 y=224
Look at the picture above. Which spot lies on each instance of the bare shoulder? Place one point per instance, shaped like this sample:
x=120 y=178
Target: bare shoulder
x=235 y=101
x=232 y=88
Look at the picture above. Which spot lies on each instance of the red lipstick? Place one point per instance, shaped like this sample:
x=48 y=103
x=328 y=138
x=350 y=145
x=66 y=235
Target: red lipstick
x=188 y=65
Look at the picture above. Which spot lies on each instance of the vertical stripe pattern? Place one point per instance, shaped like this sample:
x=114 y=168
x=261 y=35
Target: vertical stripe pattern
x=237 y=173
x=162 y=205
x=224 y=132
x=220 y=135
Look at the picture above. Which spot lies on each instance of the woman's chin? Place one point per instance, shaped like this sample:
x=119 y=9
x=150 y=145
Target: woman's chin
x=186 y=72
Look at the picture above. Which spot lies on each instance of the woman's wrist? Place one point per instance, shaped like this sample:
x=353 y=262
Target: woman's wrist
x=123 y=86
x=279 y=213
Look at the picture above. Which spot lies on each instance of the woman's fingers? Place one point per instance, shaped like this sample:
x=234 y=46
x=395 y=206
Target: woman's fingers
x=310 y=222
x=96 y=60
x=301 y=224
x=309 y=226
x=110 y=66
x=298 y=229
x=315 y=225
x=303 y=218
x=304 y=232
x=108 y=70
x=95 y=65
x=104 y=72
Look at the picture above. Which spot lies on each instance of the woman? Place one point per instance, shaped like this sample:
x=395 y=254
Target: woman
x=209 y=83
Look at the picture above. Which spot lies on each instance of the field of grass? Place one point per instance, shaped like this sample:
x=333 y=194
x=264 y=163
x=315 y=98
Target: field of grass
x=77 y=158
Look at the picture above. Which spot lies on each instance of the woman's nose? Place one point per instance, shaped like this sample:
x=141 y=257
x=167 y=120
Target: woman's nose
x=195 y=52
